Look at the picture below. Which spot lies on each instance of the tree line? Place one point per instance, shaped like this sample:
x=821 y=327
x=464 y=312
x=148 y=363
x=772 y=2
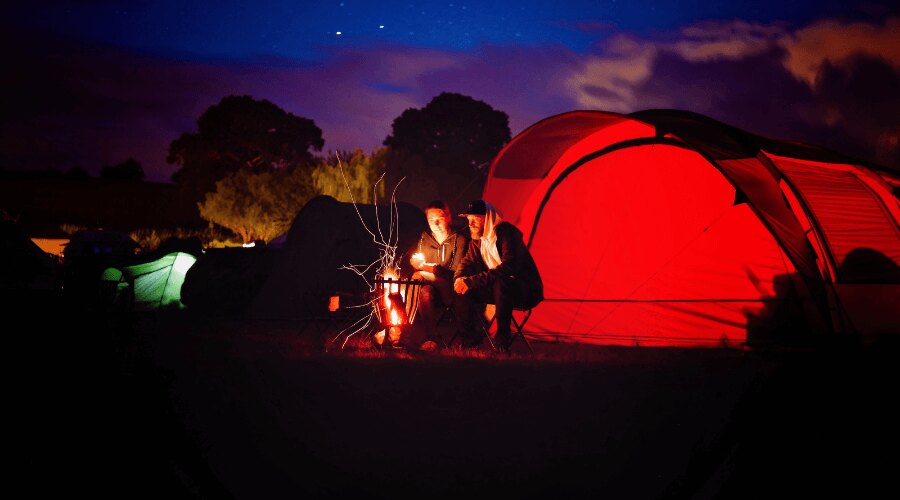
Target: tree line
x=251 y=166
x=128 y=170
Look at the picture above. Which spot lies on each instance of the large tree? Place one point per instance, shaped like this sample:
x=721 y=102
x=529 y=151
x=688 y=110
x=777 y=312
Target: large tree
x=452 y=131
x=351 y=176
x=257 y=205
x=444 y=148
x=262 y=204
x=241 y=133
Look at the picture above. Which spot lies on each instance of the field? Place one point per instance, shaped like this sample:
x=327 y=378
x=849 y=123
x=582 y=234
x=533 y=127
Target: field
x=181 y=406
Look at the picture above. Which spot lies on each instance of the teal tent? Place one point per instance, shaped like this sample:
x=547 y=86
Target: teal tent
x=147 y=286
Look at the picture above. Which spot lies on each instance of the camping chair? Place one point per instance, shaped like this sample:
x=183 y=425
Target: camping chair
x=446 y=316
x=516 y=328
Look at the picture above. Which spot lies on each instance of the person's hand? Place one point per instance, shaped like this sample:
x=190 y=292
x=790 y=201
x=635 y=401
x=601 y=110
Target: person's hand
x=460 y=286
x=416 y=261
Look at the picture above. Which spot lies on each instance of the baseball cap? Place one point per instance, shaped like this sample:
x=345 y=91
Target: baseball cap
x=476 y=207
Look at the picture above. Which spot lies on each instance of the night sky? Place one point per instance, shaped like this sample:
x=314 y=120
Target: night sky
x=92 y=83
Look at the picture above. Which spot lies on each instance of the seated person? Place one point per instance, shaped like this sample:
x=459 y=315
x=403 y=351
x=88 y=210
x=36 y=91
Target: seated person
x=498 y=269
x=435 y=258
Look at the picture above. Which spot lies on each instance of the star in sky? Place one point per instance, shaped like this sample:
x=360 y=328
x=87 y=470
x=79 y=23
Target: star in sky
x=98 y=82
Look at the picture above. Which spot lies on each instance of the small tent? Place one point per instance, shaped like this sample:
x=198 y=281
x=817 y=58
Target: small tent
x=147 y=286
x=29 y=267
x=666 y=227
x=325 y=236
x=99 y=243
x=224 y=281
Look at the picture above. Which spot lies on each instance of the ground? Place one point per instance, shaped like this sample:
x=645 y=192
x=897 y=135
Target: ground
x=175 y=405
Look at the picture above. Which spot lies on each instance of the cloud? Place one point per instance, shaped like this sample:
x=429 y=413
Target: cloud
x=94 y=105
x=837 y=43
x=71 y=102
x=91 y=105
x=608 y=82
x=609 y=79
x=711 y=41
x=804 y=85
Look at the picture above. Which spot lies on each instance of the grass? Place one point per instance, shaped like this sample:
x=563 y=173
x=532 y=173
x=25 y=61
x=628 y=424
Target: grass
x=177 y=404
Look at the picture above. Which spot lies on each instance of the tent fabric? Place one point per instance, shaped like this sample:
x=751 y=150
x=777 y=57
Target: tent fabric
x=543 y=150
x=681 y=230
x=657 y=241
x=149 y=285
x=848 y=210
x=224 y=281
x=325 y=236
x=31 y=268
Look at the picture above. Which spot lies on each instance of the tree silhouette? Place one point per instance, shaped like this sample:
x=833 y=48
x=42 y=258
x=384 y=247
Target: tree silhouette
x=241 y=132
x=453 y=131
x=443 y=149
x=128 y=170
x=76 y=174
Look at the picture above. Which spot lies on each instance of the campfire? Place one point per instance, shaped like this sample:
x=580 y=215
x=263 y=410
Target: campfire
x=393 y=309
x=394 y=301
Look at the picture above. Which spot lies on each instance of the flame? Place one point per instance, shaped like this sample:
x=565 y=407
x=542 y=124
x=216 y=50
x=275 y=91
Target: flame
x=395 y=318
x=394 y=288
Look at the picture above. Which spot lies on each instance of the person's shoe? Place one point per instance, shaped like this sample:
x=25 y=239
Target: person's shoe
x=466 y=339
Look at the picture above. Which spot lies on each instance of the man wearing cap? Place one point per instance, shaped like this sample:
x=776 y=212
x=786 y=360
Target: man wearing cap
x=498 y=269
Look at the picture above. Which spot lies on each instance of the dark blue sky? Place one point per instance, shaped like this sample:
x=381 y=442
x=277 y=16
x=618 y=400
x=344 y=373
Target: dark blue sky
x=99 y=81
x=304 y=30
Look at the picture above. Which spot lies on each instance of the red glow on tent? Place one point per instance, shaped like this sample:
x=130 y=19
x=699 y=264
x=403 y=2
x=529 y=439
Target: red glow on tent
x=674 y=229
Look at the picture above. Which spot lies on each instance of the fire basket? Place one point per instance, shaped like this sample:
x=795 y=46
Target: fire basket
x=396 y=303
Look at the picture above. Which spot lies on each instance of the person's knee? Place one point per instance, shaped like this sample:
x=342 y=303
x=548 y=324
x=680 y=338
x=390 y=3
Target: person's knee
x=510 y=291
x=427 y=295
x=503 y=290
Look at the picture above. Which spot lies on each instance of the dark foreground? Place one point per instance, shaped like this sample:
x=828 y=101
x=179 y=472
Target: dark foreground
x=180 y=407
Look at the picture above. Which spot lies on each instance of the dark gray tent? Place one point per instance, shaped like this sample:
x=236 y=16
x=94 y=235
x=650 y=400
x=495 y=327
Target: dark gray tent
x=29 y=268
x=325 y=235
x=224 y=281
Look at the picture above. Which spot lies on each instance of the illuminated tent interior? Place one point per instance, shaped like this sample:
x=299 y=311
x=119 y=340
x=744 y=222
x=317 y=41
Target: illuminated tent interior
x=148 y=286
x=669 y=228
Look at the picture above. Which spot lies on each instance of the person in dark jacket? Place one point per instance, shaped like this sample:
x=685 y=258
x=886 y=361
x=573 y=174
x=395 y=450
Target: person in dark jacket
x=434 y=258
x=498 y=269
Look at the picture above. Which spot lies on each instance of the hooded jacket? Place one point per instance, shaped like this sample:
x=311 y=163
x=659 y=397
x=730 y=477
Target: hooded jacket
x=515 y=263
x=447 y=255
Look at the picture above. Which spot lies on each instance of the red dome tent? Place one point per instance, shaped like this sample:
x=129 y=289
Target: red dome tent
x=669 y=228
